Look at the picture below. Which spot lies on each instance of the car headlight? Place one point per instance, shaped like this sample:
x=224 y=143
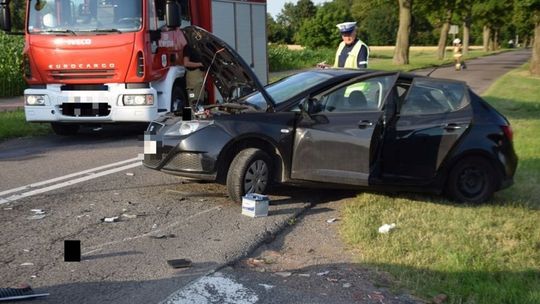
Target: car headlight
x=188 y=127
x=138 y=100
x=34 y=100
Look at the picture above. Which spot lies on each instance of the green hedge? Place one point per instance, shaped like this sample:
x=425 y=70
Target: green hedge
x=280 y=58
x=11 y=79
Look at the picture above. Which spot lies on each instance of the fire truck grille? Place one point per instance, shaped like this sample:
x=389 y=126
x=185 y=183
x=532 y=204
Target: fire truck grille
x=185 y=162
x=81 y=74
x=85 y=109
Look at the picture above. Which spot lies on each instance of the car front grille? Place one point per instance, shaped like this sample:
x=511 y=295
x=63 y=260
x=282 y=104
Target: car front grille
x=152 y=160
x=81 y=74
x=185 y=162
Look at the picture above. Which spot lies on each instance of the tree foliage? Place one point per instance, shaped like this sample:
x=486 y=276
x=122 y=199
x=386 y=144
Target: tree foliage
x=321 y=30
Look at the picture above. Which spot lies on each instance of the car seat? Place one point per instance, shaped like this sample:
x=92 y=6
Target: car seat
x=357 y=101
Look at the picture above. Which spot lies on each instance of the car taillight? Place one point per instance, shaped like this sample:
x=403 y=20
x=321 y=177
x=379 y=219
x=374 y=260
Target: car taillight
x=508 y=132
x=140 y=64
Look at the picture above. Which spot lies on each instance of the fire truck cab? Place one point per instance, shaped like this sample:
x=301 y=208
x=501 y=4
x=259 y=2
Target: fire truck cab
x=113 y=61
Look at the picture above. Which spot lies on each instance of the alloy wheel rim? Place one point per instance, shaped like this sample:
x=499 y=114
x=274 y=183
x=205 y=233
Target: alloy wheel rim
x=472 y=182
x=256 y=178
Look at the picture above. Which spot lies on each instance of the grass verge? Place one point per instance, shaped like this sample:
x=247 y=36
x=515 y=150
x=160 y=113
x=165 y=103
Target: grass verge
x=282 y=59
x=13 y=124
x=474 y=254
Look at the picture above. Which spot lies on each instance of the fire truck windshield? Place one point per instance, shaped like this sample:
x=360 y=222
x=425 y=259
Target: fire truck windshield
x=76 y=16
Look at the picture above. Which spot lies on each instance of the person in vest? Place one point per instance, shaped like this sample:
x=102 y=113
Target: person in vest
x=352 y=52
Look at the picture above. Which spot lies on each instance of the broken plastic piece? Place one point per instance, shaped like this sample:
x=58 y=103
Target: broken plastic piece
x=130 y=174
x=110 y=219
x=27 y=264
x=386 y=228
x=330 y=221
x=163 y=236
x=9 y=294
x=179 y=263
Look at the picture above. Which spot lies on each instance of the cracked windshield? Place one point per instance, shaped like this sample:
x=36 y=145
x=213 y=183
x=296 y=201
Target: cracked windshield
x=72 y=16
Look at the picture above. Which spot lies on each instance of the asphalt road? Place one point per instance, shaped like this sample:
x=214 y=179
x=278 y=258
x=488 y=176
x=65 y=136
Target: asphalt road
x=78 y=181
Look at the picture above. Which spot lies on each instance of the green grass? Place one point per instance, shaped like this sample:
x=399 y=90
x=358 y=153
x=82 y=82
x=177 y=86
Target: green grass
x=282 y=59
x=474 y=254
x=13 y=124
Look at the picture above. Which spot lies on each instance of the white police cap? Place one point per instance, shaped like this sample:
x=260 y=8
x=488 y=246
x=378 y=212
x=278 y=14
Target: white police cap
x=346 y=27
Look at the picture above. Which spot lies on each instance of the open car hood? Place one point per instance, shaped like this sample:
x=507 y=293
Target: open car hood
x=231 y=74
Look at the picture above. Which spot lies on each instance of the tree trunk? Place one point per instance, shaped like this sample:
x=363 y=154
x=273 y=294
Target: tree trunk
x=401 y=53
x=466 y=34
x=495 y=44
x=535 y=60
x=441 y=50
x=486 y=37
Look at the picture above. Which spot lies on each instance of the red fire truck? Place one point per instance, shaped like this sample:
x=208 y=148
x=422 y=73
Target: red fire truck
x=110 y=61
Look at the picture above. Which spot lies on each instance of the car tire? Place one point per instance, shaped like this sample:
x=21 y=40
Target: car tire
x=249 y=172
x=472 y=180
x=65 y=129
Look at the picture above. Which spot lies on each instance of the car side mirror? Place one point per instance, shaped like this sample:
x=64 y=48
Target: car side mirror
x=5 y=17
x=172 y=14
x=309 y=105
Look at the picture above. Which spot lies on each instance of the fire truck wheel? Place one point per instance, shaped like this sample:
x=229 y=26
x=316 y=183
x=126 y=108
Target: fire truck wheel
x=64 y=129
x=178 y=98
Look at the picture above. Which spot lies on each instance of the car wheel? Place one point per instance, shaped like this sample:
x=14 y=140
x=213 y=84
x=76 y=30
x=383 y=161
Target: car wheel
x=472 y=180
x=64 y=129
x=250 y=172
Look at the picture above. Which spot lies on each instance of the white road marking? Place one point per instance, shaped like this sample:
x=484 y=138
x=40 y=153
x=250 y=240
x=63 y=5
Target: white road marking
x=213 y=289
x=54 y=180
x=99 y=247
x=67 y=183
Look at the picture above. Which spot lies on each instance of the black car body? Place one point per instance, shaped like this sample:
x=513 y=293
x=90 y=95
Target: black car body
x=335 y=128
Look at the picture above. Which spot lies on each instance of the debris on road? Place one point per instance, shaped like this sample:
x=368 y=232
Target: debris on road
x=323 y=273
x=25 y=292
x=27 y=264
x=8 y=208
x=283 y=274
x=38 y=214
x=38 y=211
x=332 y=220
x=37 y=217
x=347 y=285
x=305 y=275
x=110 y=219
x=129 y=216
x=386 y=228
x=251 y=262
x=130 y=174
x=154 y=226
x=163 y=236
x=266 y=286
x=179 y=263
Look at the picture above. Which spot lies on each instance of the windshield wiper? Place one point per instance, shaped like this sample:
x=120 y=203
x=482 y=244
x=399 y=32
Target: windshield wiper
x=111 y=30
x=66 y=31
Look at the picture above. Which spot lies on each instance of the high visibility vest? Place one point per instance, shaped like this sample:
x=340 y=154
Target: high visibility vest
x=352 y=59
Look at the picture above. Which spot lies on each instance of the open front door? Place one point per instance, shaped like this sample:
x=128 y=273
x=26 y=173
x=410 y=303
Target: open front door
x=335 y=142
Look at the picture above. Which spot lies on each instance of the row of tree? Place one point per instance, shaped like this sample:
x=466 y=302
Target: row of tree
x=491 y=23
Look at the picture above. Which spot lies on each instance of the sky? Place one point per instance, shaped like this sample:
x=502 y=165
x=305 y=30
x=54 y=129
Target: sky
x=274 y=6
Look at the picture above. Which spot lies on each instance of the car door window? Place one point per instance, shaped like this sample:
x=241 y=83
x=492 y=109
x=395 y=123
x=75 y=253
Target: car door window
x=428 y=96
x=362 y=96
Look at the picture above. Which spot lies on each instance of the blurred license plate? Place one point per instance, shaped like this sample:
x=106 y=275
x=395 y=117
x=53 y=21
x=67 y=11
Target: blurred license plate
x=150 y=147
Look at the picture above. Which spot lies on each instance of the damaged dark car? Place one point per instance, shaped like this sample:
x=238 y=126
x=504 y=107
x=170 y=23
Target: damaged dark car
x=336 y=128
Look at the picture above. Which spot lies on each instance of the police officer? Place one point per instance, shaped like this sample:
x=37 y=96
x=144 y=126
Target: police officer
x=352 y=52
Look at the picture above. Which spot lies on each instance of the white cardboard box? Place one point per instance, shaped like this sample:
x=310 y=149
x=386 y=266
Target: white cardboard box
x=255 y=205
